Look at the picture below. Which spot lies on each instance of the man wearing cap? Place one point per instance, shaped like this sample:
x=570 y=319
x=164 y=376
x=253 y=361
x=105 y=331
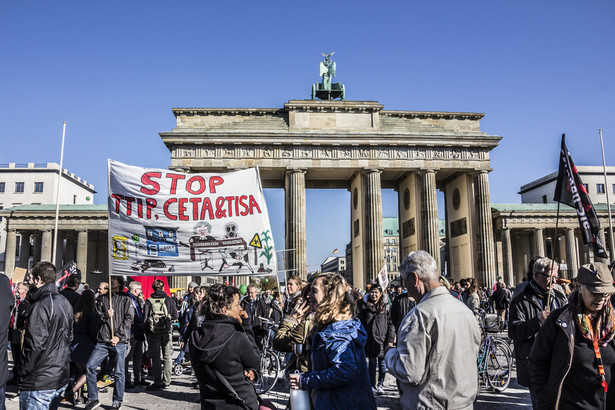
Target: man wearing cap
x=573 y=358
x=528 y=312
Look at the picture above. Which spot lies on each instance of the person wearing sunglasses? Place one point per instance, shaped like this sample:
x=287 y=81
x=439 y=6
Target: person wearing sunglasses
x=528 y=312
x=573 y=357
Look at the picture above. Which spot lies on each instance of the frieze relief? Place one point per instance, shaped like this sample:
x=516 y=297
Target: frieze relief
x=319 y=152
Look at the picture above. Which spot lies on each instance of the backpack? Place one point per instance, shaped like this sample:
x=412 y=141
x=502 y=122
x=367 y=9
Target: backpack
x=159 y=320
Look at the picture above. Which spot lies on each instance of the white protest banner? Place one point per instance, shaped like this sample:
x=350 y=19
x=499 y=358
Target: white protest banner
x=383 y=278
x=164 y=222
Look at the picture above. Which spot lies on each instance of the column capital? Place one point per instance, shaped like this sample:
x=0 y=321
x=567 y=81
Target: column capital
x=372 y=171
x=427 y=171
x=296 y=170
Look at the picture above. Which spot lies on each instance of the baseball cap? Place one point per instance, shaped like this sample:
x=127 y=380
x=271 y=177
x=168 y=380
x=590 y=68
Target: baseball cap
x=596 y=277
x=192 y=285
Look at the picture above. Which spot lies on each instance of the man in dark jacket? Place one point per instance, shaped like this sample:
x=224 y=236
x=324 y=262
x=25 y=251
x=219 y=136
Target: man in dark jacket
x=137 y=337
x=255 y=307
x=44 y=366
x=528 y=312
x=501 y=301
x=402 y=304
x=157 y=305
x=111 y=342
x=17 y=326
x=70 y=291
x=6 y=304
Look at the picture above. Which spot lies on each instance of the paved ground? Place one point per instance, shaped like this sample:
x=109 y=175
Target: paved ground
x=182 y=395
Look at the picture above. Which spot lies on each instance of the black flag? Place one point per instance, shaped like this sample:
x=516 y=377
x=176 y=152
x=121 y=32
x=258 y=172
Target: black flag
x=64 y=272
x=571 y=191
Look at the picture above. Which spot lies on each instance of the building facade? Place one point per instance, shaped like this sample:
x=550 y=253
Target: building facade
x=32 y=183
x=335 y=264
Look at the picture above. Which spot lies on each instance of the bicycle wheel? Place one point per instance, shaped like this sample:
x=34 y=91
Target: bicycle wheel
x=270 y=371
x=499 y=367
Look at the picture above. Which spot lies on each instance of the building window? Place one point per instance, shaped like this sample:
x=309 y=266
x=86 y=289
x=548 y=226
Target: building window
x=1 y=208
x=2 y=186
x=38 y=187
x=586 y=188
x=386 y=241
x=600 y=188
x=544 y=199
x=613 y=189
x=19 y=186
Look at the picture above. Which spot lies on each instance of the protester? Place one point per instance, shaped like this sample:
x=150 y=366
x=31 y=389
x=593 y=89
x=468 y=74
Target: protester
x=70 y=291
x=274 y=310
x=294 y=330
x=160 y=310
x=17 y=326
x=137 y=337
x=44 y=367
x=402 y=304
x=473 y=299
x=293 y=287
x=256 y=308
x=380 y=333
x=224 y=358
x=112 y=341
x=501 y=302
x=528 y=312
x=6 y=305
x=529 y=276
x=103 y=289
x=338 y=376
x=572 y=361
x=435 y=357
x=185 y=329
x=85 y=331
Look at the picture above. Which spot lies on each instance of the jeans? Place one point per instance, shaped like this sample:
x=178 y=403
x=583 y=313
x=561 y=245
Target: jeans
x=534 y=399
x=116 y=353
x=157 y=342
x=372 y=370
x=40 y=399
x=2 y=397
x=135 y=354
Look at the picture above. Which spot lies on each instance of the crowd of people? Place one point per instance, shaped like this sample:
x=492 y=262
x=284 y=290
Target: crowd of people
x=340 y=341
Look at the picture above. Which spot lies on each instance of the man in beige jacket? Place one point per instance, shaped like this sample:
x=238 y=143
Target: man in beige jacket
x=438 y=341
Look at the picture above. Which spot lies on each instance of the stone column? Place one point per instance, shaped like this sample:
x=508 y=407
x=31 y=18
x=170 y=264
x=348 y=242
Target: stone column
x=571 y=252
x=46 y=246
x=539 y=243
x=11 y=249
x=24 y=250
x=36 y=248
x=602 y=237
x=82 y=252
x=295 y=222
x=486 y=252
x=374 y=231
x=429 y=215
x=507 y=255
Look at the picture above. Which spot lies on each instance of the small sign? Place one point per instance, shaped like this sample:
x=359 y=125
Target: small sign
x=19 y=275
x=256 y=241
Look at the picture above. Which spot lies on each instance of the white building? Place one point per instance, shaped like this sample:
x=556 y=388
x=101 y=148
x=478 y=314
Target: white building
x=22 y=184
x=541 y=190
x=335 y=264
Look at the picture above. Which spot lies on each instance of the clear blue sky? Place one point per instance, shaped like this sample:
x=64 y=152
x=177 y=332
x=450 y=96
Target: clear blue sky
x=113 y=70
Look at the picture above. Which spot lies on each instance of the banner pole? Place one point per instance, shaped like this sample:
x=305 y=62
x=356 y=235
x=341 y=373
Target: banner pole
x=608 y=203
x=110 y=304
x=552 y=261
x=55 y=230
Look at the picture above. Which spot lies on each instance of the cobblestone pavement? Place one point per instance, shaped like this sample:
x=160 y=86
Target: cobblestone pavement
x=182 y=394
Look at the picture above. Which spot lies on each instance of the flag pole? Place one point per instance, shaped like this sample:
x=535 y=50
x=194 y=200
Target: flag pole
x=55 y=231
x=552 y=260
x=608 y=203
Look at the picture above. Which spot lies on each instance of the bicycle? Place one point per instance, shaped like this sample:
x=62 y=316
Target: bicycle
x=269 y=367
x=494 y=358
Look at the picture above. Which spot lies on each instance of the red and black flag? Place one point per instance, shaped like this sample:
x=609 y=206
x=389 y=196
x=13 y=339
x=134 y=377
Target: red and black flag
x=571 y=191
x=64 y=272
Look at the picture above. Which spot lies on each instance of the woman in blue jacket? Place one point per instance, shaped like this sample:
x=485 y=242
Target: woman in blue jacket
x=338 y=378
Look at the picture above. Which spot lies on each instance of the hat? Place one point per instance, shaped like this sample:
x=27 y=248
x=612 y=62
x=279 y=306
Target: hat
x=192 y=285
x=596 y=277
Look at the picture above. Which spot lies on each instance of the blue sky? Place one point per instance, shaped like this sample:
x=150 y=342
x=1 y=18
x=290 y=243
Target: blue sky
x=113 y=70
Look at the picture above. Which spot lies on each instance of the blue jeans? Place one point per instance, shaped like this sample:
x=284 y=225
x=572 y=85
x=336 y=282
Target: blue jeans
x=40 y=399
x=117 y=354
x=382 y=370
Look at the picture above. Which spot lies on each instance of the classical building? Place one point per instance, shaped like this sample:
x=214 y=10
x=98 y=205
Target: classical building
x=36 y=184
x=357 y=145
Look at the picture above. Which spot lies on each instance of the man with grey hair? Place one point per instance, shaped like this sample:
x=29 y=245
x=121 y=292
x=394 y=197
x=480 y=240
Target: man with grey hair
x=435 y=358
x=528 y=312
x=255 y=307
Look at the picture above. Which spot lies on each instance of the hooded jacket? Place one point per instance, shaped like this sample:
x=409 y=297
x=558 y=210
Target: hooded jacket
x=222 y=344
x=6 y=304
x=338 y=377
x=46 y=347
x=380 y=330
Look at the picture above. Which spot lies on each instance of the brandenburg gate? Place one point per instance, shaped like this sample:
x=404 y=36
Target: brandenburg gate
x=359 y=146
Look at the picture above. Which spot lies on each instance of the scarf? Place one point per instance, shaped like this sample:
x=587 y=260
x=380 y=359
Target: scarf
x=605 y=324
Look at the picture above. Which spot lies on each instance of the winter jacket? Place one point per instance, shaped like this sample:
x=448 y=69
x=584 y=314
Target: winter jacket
x=500 y=299
x=260 y=309
x=473 y=302
x=136 y=329
x=435 y=358
x=221 y=344
x=46 y=348
x=71 y=295
x=123 y=315
x=551 y=358
x=380 y=330
x=338 y=378
x=7 y=301
x=85 y=333
x=523 y=324
x=168 y=302
x=292 y=332
x=19 y=324
x=401 y=306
